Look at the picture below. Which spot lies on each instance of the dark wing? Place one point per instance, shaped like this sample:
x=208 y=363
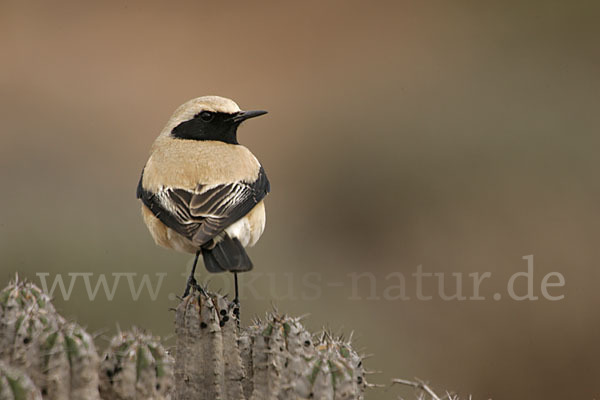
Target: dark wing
x=203 y=213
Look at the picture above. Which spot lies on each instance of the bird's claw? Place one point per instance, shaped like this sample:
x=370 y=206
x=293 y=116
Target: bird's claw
x=236 y=310
x=192 y=283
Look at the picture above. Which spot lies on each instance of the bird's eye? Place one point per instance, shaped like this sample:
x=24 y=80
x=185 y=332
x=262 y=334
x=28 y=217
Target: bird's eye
x=206 y=116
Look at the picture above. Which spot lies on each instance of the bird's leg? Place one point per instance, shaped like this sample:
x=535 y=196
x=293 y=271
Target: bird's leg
x=191 y=282
x=236 y=300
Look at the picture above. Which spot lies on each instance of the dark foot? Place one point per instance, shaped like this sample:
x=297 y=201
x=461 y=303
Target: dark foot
x=236 y=300
x=191 y=283
x=236 y=310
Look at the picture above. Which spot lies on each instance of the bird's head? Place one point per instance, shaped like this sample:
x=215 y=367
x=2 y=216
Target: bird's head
x=208 y=118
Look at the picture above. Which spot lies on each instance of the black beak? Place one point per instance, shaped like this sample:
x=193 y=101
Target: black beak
x=244 y=115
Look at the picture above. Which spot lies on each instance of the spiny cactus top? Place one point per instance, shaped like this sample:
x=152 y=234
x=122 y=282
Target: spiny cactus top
x=136 y=366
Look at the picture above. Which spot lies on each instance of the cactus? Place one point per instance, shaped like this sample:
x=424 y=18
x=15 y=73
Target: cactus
x=199 y=366
x=70 y=363
x=275 y=358
x=16 y=385
x=276 y=355
x=26 y=313
x=336 y=372
x=136 y=366
x=59 y=356
x=288 y=362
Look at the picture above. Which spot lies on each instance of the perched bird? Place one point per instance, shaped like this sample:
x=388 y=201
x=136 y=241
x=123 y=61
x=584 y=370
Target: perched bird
x=201 y=191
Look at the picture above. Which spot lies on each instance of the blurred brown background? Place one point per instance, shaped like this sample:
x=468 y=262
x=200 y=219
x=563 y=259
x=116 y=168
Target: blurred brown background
x=457 y=135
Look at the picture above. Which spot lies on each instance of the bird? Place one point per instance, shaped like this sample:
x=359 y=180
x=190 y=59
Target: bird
x=201 y=191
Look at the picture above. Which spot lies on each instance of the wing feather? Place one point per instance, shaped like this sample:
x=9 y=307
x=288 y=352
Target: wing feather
x=202 y=214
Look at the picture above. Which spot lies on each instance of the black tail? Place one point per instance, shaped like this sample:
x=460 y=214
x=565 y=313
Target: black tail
x=227 y=255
